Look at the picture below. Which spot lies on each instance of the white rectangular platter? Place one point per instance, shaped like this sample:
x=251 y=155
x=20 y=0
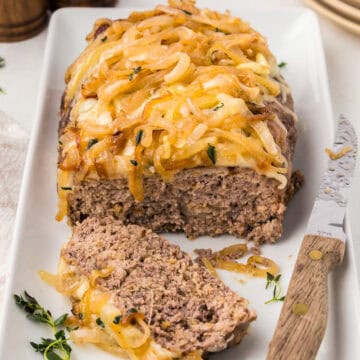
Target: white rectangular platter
x=294 y=37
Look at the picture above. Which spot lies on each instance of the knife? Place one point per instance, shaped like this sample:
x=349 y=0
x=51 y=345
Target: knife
x=302 y=323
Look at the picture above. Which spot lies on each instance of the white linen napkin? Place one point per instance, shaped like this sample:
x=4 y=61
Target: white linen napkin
x=13 y=144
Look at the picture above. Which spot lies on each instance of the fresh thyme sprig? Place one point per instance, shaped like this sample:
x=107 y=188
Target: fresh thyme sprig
x=52 y=349
x=272 y=280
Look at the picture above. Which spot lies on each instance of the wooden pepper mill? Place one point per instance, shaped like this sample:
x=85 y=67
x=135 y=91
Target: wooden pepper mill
x=21 y=19
x=56 y=4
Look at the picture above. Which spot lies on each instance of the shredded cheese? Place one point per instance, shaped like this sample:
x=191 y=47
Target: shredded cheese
x=182 y=76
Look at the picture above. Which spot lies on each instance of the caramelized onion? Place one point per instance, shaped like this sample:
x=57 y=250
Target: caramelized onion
x=186 y=78
x=209 y=266
x=335 y=156
x=256 y=266
x=234 y=251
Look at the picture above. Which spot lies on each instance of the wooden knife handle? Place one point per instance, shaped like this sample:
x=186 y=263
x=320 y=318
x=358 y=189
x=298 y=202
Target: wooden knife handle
x=302 y=323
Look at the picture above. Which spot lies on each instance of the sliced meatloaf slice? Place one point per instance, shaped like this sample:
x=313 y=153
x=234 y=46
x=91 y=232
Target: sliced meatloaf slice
x=188 y=310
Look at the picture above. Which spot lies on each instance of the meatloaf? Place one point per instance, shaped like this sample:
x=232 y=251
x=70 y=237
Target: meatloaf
x=188 y=310
x=207 y=152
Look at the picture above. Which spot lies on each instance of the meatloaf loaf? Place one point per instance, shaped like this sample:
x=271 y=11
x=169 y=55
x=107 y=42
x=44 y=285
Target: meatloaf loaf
x=112 y=272
x=177 y=119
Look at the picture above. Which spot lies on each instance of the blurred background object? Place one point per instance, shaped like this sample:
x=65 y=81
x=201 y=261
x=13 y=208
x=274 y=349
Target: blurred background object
x=56 y=4
x=21 y=19
x=345 y=13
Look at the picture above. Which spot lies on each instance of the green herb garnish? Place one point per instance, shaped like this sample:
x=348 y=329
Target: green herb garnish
x=104 y=39
x=211 y=152
x=134 y=162
x=134 y=72
x=217 y=107
x=56 y=348
x=186 y=12
x=91 y=143
x=139 y=136
x=81 y=316
x=117 y=319
x=66 y=188
x=272 y=280
x=2 y=91
x=282 y=64
x=100 y=322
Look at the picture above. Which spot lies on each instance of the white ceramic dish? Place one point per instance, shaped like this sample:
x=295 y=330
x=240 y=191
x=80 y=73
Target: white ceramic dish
x=294 y=37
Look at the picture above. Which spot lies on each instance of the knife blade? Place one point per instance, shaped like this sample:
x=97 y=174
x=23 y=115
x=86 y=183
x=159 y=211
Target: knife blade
x=303 y=318
x=328 y=212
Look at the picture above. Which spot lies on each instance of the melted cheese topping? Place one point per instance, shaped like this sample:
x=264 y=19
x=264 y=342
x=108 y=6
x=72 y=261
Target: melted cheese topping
x=165 y=90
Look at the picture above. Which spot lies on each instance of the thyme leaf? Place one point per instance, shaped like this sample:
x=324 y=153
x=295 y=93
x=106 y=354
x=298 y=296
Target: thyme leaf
x=60 y=320
x=218 y=30
x=139 y=136
x=132 y=311
x=134 y=72
x=100 y=322
x=217 y=107
x=117 y=319
x=91 y=143
x=211 y=152
x=134 y=162
x=186 y=12
x=273 y=281
x=282 y=64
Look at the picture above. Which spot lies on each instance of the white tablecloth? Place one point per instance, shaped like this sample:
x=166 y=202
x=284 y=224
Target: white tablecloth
x=20 y=80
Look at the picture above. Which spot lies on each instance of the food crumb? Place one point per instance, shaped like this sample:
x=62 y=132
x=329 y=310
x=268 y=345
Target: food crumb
x=241 y=281
x=255 y=250
x=327 y=190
